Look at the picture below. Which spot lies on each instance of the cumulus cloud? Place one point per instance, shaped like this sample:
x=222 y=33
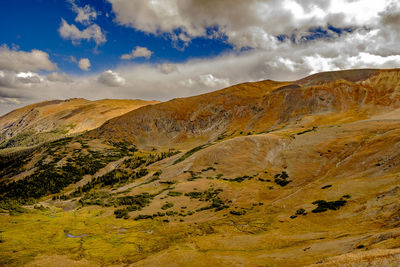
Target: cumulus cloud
x=84 y=15
x=139 y=51
x=14 y=79
x=28 y=77
x=71 y=32
x=251 y=23
x=84 y=64
x=111 y=78
x=14 y=60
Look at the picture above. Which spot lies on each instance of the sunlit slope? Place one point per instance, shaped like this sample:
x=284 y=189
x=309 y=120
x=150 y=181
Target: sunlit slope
x=52 y=119
x=259 y=107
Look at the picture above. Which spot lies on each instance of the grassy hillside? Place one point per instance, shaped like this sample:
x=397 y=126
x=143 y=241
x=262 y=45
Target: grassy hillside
x=51 y=120
x=230 y=182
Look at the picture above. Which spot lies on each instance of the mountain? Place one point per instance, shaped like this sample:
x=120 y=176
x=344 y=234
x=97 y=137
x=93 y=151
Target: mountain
x=53 y=119
x=258 y=174
x=259 y=107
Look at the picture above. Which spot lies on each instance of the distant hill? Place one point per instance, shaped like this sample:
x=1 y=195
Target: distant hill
x=50 y=120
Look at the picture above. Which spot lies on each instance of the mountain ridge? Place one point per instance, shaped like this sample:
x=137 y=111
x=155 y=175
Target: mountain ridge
x=266 y=173
x=262 y=106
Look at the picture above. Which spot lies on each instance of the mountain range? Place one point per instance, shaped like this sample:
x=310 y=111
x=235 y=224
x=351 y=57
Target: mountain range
x=262 y=173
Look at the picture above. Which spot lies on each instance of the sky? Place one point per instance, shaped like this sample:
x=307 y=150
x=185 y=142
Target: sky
x=164 y=49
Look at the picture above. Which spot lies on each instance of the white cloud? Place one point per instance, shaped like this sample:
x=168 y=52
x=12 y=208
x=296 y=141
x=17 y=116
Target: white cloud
x=84 y=15
x=139 y=51
x=24 y=61
x=210 y=81
x=57 y=77
x=29 y=77
x=250 y=23
x=111 y=78
x=12 y=79
x=84 y=64
x=71 y=32
x=167 y=68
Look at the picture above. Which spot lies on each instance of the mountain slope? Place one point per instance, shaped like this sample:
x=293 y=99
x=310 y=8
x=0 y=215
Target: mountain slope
x=271 y=174
x=258 y=107
x=53 y=119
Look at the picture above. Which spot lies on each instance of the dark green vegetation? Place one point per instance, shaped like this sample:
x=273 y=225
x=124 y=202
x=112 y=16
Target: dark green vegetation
x=11 y=206
x=323 y=205
x=115 y=177
x=241 y=178
x=238 y=213
x=174 y=194
x=61 y=163
x=167 y=205
x=29 y=138
x=282 y=178
x=211 y=196
x=191 y=152
x=193 y=175
x=314 y=128
x=51 y=176
x=330 y=205
x=301 y=212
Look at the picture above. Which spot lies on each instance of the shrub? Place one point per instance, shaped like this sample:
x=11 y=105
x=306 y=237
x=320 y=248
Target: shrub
x=238 y=213
x=190 y=152
x=332 y=205
x=140 y=200
x=281 y=178
x=300 y=211
x=240 y=179
x=167 y=205
x=121 y=213
x=143 y=217
x=208 y=169
x=174 y=194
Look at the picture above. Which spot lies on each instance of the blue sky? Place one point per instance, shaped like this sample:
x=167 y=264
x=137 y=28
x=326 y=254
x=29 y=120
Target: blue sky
x=162 y=49
x=36 y=27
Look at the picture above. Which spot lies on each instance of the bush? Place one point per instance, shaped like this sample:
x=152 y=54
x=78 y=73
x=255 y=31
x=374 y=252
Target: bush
x=331 y=205
x=143 y=217
x=238 y=213
x=121 y=213
x=174 y=194
x=190 y=152
x=167 y=205
x=300 y=211
x=281 y=179
x=140 y=200
x=240 y=179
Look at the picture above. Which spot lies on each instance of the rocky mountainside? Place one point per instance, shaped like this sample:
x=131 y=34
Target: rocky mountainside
x=54 y=119
x=258 y=174
x=259 y=107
